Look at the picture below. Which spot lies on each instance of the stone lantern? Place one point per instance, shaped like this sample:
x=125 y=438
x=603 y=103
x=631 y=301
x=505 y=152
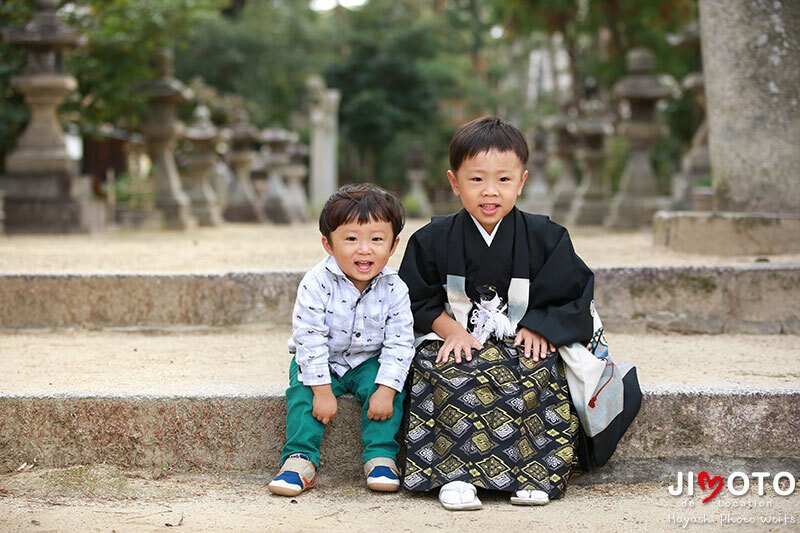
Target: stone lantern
x=638 y=198
x=276 y=198
x=296 y=171
x=44 y=191
x=590 y=206
x=161 y=130
x=563 y=150
x=243 y=203
x=536 y=194
x=199 y=163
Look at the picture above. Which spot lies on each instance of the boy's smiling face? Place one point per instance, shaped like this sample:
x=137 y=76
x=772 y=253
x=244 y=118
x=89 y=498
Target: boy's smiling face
x=488 y=185
x=361 y=250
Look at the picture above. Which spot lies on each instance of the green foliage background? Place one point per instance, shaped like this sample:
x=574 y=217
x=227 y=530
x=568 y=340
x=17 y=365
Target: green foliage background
x=410 y=71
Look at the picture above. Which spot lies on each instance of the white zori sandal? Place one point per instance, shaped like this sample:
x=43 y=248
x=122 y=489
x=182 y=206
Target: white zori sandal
x=459 y=496
x=530 y=497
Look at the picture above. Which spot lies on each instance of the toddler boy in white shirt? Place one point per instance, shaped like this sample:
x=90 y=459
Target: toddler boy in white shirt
x=352 y=331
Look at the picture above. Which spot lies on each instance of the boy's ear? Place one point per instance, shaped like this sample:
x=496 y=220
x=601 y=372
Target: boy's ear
x=394 y=246
x=453 y=182
x=522 y=182
x=327 y=245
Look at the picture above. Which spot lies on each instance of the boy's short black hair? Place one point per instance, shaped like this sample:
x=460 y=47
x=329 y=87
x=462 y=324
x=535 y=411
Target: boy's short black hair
x=485 y=134
x=361 y=203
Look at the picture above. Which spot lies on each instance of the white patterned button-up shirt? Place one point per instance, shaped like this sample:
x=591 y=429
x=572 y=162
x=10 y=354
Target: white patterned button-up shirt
x=336 y=327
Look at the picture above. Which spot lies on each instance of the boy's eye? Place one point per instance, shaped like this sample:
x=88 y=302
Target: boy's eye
x=476 y=178
x=350 y=239
x=505 y=178
x=377 y=239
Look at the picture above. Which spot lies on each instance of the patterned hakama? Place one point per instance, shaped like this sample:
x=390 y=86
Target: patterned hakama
x=500 y=422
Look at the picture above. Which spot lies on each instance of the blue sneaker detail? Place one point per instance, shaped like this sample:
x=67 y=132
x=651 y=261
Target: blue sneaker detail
x=382 y=477
x=290 y=478
x=383 y=471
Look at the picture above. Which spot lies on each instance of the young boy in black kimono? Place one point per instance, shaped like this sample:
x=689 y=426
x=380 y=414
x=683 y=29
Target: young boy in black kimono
x=492 y=414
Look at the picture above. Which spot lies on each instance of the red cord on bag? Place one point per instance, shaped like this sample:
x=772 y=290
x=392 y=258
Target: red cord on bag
x=593 y=401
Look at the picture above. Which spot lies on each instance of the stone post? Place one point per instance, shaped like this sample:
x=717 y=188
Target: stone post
x=590 y=206
x=695 y=164
x=751 y=64
x=751 y=54
x=243 y=203
x=276 y=197
x=324 y=115
x=638 y=198
x=161 y=130
x=222 y=179
x=562 y=149
x=44 y=191
x=296 y=171
x=536 y=194
x=199 y=164
x=416 y=201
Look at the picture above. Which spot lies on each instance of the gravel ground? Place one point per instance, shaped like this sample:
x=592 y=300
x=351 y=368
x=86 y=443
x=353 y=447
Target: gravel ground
x=103 y=498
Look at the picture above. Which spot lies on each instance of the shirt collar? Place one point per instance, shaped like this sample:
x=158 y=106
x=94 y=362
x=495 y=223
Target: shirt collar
x=485 y=234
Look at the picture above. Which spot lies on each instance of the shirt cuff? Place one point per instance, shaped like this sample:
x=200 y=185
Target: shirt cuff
x=311 y=375
x=394 y=378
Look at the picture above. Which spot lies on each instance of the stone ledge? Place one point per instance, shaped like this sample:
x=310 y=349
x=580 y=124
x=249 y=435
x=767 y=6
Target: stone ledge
x=246 y=432
x=727 y=234
x=753 y=298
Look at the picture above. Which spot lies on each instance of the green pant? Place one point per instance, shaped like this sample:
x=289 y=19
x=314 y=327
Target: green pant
x=304 y=432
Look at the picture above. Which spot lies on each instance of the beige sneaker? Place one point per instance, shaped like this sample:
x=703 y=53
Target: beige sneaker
x=295 y=476
x=382 y=474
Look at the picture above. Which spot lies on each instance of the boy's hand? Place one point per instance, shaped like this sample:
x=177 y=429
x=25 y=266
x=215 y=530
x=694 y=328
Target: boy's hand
x=534 y=345
x=381 y=403
x=458 y=342
x=325 y=405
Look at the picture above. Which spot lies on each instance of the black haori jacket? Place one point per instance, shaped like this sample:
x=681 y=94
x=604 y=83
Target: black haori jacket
x=533 y=266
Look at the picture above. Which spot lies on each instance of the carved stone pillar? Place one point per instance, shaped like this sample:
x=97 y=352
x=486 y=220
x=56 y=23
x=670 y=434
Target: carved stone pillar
x=199 y=164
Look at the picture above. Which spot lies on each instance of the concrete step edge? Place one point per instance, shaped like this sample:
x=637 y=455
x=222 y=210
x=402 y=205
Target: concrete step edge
x=188 y=434
x=755 y=298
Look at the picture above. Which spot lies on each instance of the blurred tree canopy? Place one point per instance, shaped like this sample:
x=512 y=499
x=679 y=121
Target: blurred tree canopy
x=410 y=71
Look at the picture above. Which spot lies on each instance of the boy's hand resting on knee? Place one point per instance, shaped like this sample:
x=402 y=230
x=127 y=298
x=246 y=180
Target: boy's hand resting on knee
x=533 y=344
x=325 y=405
x=381 y=403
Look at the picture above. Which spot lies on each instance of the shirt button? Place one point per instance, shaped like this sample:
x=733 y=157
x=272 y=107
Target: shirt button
x=358 y=334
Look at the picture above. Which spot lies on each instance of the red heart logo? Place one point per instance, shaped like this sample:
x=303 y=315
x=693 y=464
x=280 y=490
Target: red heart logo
x=715 y=482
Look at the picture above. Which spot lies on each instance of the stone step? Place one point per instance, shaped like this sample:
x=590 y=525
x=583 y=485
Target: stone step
x=212 y=400
x=742 y=298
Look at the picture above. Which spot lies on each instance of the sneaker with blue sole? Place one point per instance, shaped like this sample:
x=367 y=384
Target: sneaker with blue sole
x=382 y=474
x=297 y=474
